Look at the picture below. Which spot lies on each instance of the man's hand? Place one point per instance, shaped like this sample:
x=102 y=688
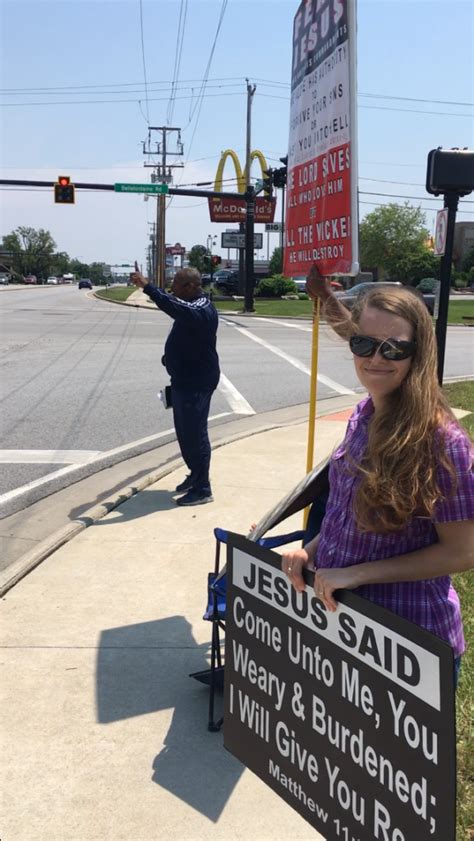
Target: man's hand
x=318 y=286
x=138 y=279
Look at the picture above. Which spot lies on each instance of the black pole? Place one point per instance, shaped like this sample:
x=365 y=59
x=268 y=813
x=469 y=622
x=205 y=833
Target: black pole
x=451 y=201
x=249 y=243
x=241 y=283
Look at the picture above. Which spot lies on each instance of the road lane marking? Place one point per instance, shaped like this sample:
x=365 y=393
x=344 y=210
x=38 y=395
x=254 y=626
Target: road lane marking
x=64 y=471
x=47 y=456
x=235 y=399
x=340 y=389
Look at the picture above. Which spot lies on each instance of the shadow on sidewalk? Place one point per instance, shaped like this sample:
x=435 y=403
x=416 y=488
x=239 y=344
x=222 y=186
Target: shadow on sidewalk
x=143 y=669
x=143 y=503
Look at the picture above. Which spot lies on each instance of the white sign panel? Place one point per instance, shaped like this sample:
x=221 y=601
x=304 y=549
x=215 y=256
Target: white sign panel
x=237 y=240
x=441 y=232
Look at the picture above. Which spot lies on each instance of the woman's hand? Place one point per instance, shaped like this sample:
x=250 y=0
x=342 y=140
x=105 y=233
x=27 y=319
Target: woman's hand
x=292 y=564
x=318 y=286
x=326 y=581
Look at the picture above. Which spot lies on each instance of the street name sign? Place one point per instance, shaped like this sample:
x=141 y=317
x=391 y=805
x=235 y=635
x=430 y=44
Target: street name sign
x=348 y=715
x=236 y=240
x=141 y=188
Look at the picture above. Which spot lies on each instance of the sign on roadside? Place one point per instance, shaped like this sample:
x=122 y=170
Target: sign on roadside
x=273 y=227
x=441 y=232
x=235 y=239
x=348 y=716
x=321 y=202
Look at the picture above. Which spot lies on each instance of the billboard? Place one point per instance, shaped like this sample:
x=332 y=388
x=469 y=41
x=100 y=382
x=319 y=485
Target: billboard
x=321 y=203
x=234 y=210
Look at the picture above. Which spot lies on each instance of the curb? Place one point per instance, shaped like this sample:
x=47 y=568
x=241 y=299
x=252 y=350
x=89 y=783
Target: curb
x=20 y=568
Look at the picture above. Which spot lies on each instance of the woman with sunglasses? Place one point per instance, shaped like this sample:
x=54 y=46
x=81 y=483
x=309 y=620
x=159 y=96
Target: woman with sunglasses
x=400 y=514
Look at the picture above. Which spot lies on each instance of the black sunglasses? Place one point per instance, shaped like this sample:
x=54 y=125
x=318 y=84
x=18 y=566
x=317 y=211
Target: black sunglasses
x=393 y=349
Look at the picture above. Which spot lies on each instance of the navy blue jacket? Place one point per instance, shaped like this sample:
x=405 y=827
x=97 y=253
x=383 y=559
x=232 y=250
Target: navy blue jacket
x=190 y=350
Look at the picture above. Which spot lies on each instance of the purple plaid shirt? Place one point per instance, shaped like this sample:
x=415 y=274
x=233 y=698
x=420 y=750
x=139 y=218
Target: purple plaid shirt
x=432 y=603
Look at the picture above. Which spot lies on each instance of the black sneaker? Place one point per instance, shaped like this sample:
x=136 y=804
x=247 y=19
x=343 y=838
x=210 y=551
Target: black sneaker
x=185 y=485
x=195 y=497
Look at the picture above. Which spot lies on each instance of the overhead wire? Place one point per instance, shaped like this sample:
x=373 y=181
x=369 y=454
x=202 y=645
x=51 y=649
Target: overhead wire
x=144 y=61
x=183 y=9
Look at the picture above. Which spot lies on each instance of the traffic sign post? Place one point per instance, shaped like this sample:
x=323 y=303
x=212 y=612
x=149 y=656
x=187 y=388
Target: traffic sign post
x=141 y=188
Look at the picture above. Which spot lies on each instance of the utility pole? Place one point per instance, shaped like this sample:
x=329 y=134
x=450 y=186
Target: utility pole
x=246 y=268
x=162 y=175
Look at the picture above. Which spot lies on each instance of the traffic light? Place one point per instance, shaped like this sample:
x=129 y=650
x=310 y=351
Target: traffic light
x=450 y=171
x=279 y=175
x=64 y=191
x=216 y=260
x=268 y=183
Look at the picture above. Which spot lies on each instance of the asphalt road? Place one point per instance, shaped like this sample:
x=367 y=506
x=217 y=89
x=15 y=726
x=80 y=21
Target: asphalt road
x=80 y=377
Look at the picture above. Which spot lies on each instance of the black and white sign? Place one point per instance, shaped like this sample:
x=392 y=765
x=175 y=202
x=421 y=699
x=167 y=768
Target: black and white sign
x=273 y=227
x=231 y=239
x=348 y=716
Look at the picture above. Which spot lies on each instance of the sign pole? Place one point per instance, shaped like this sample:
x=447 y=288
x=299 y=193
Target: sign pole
x=312 y=396
x=249 y=246
x=451 y=201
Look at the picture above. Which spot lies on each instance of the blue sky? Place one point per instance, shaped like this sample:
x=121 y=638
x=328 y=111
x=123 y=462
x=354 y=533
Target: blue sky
x=58 y=56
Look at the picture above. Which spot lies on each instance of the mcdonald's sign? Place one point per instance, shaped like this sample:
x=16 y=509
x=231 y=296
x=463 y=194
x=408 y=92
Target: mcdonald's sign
x=233 y=210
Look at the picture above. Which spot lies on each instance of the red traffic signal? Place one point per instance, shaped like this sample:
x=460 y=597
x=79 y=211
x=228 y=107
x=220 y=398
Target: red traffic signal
x=216 y=260
x=64 y=192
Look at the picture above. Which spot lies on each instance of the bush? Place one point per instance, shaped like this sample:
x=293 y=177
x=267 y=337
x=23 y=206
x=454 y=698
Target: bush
x=428 y=284
x=460 y=280
x=275 y=287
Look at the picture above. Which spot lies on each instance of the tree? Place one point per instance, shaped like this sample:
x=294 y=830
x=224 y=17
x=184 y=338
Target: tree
x=60 y=264
x=393 y=236
x=468 y=261
x=198 y=258
x=31 y=250
x=276 y=262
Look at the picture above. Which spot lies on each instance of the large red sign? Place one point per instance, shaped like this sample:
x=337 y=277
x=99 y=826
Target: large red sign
x=321 y=209
x=234 y=210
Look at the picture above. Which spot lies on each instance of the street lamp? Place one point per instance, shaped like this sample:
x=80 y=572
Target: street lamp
x=211 y=241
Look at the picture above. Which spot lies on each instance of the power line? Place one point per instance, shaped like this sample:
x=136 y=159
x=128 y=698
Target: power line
x=430 y=209
x=178 y=52
x=144 y=62
x=395 y=196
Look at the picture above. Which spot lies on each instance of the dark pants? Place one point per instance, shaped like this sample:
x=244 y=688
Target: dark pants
x=190 y=414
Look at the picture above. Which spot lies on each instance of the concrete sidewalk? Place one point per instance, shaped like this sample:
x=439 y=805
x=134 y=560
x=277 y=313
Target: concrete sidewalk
x=104 y=735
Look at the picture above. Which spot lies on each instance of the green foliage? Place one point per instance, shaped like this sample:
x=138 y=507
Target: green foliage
x=199 y=258
x=275 y=287
x=394 y=238
x=428 y=284
x=32 y=251
x=276 y=262
x=59 y=264
x=460 y=280
x=468 y=262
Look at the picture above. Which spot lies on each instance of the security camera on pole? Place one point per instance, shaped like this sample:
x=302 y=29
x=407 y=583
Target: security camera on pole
x=451 y=172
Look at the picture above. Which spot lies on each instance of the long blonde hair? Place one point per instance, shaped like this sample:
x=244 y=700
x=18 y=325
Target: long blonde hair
x=398 y=476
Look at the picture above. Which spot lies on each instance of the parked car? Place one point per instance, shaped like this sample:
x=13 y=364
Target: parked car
x=350 y=296
x=30 y=278
x=84 y=283
x=226 y=282
x=4 y=279
x=52 y=281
